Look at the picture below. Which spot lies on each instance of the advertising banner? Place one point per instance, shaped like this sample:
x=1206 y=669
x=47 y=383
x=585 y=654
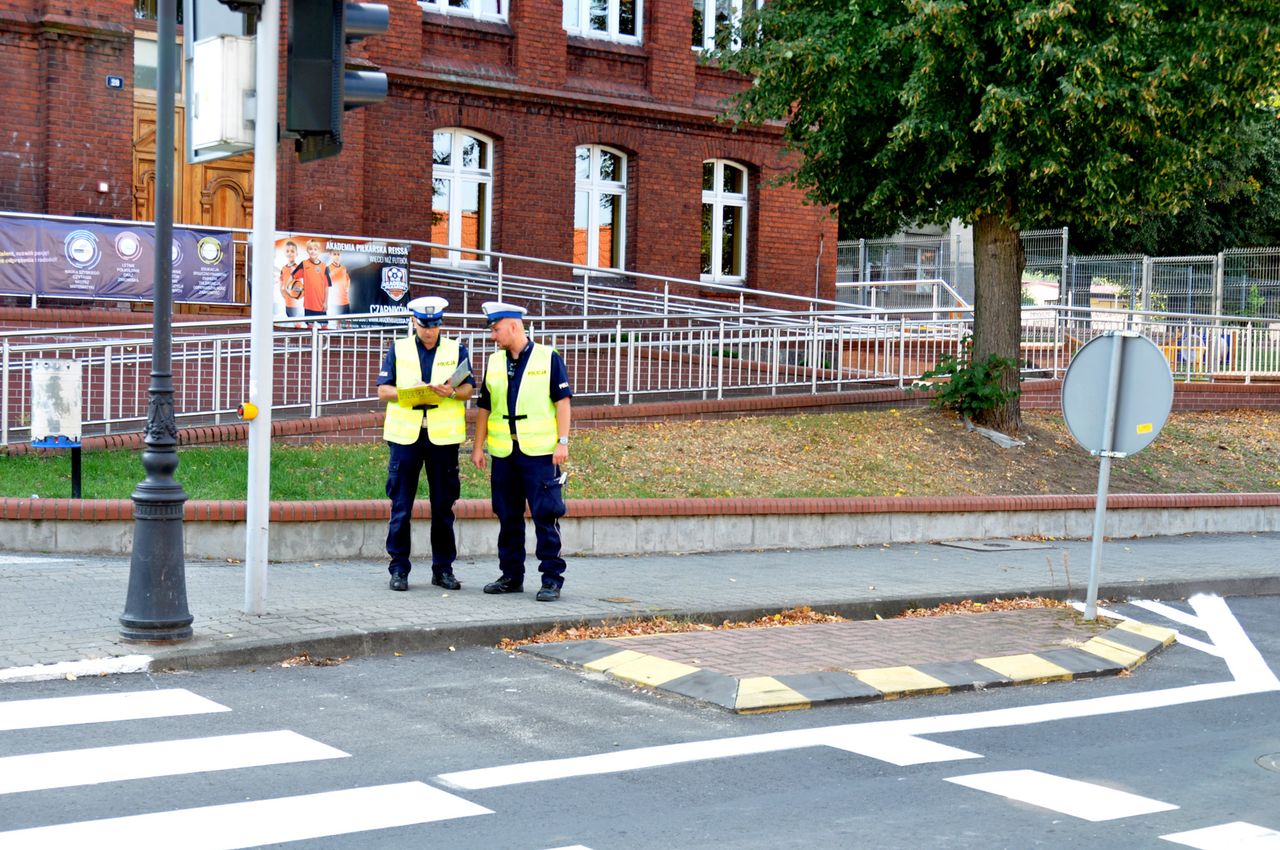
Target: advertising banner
x=95 y=260
x=323 y=275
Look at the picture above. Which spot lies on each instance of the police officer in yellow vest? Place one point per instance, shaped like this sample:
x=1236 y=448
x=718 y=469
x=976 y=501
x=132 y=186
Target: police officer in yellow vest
x=424 y=432
x=522 y=418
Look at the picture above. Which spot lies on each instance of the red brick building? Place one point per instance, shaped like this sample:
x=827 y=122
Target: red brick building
x=573 y=130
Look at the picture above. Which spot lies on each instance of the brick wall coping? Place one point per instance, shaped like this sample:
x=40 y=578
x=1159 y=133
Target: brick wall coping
x=379 y=509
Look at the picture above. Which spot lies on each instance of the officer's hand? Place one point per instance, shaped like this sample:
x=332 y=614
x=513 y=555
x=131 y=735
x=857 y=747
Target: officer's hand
x=442 y=390
x=560 y=455
x=478 y=458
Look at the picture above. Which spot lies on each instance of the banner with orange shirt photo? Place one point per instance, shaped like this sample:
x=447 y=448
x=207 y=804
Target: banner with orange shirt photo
x=332 y=277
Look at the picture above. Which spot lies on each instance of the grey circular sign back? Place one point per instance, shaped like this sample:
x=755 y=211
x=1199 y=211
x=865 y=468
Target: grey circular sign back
x=1143 y=399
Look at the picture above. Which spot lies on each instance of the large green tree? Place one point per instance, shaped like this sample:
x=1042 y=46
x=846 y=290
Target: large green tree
x=1005 y=114
x=1238 y=206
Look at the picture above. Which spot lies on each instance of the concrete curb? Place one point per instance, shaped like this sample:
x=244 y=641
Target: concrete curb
x=201 y=654
x=1120 y=649
x=307 y=531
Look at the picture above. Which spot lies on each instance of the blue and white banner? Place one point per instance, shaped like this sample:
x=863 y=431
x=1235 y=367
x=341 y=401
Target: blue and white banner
x=95 y=260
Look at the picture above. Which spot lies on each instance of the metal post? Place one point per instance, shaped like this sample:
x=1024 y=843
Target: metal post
x=500 y=298
x=215 y=391
x=106 y=387
x=720 y=365
x=156 y=606
x=4 y=393
x=586 y=298
x=617 y=363
x=815 y=356
x=1062 y=277
x=315 y=370
x=261 y=326
x=1104 y=473
x=1219 y=281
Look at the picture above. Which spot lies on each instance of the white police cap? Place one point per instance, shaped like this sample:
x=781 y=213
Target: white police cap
x=495 y=310
x=429 y=310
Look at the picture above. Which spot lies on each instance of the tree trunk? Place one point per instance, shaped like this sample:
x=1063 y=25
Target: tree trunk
x=997 y=309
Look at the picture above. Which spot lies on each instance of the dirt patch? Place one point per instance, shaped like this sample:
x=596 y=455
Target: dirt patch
x=915 y=452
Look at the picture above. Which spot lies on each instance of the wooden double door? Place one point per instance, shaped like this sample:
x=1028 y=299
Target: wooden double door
x=218 y=193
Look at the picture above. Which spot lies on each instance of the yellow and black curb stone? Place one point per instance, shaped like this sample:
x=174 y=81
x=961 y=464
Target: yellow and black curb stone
x=1119 y=649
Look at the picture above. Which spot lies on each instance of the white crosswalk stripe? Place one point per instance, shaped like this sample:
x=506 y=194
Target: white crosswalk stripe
x=1237 y=835
x=102 y=708
x=250 y=823
x=41 y=771
x=1083 y=800
x=255 y=823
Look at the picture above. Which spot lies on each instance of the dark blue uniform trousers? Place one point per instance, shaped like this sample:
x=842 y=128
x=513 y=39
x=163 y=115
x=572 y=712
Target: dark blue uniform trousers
x=403 y=472
x=517 y=479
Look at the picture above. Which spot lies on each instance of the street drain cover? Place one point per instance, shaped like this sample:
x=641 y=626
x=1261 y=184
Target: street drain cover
x=1001 y=545
x=1270 y=762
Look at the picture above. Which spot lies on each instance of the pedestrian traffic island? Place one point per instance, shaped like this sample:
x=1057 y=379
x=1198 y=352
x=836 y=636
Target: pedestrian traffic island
x=758 y=670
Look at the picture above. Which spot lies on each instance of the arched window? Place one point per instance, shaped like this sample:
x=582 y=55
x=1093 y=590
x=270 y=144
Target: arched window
x=724 y=221
x=599 y=207
x=461 y=195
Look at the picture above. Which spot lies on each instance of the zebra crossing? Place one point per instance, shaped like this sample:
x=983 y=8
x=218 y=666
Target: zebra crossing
x=250 y=823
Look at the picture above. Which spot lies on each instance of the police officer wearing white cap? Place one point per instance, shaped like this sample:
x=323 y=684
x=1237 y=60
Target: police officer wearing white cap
x=522 y=418
x=425 y=433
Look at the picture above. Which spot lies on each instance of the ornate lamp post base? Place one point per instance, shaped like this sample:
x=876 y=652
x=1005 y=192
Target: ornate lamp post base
x=156 y=607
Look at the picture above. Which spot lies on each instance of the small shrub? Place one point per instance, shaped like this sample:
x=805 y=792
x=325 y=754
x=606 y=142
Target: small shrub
x=969 y=387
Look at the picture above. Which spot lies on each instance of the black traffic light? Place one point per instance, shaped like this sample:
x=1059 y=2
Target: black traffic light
x=319 y=87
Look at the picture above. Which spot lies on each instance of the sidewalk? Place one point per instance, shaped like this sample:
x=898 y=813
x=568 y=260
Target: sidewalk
x=65 y=608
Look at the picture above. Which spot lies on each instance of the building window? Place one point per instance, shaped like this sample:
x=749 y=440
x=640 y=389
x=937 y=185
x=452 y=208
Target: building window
x=724 y=221
x=484 y=10
x=599 y=207
x=716 y=23
x=461 y=196
x=617 y=20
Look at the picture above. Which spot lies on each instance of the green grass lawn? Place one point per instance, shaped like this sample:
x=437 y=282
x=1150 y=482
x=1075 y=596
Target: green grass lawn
x=917 y=452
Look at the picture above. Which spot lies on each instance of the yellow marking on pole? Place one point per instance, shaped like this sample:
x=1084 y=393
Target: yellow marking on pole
x=1026 y=668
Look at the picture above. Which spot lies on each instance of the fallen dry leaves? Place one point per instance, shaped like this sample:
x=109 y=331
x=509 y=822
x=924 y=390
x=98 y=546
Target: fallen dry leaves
x=968 y=606
x=305 y=660
x=802 y=616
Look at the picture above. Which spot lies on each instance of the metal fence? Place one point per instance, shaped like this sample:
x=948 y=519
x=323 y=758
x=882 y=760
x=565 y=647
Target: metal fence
x=1242 y=282
x=612 y=359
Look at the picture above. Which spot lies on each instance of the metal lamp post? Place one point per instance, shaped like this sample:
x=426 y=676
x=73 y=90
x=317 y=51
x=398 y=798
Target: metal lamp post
x=156 y=608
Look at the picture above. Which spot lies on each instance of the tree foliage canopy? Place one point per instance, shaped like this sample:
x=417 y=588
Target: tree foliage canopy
x=1042 y=113
x=1237 y=207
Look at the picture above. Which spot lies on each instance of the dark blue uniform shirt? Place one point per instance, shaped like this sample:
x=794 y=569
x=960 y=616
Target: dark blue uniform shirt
x=426 y=359
x=515 y=373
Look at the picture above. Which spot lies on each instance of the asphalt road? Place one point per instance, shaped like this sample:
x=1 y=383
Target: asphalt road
x=451 y=735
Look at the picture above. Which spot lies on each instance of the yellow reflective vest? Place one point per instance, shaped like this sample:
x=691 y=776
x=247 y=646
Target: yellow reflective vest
x=446 y=420
x=535 y=411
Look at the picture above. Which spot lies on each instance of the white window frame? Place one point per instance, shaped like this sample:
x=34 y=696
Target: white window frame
x=718 y=199
x=457 y=175
x=473 y=9
x=594 y=186
x=579 y=23
x=737 y=7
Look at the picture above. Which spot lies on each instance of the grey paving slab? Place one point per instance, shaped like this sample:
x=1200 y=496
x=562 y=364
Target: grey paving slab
x=56 y=608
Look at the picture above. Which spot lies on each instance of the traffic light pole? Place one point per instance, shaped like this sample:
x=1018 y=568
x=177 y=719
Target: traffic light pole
x=261 y=374
x=156 y=607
